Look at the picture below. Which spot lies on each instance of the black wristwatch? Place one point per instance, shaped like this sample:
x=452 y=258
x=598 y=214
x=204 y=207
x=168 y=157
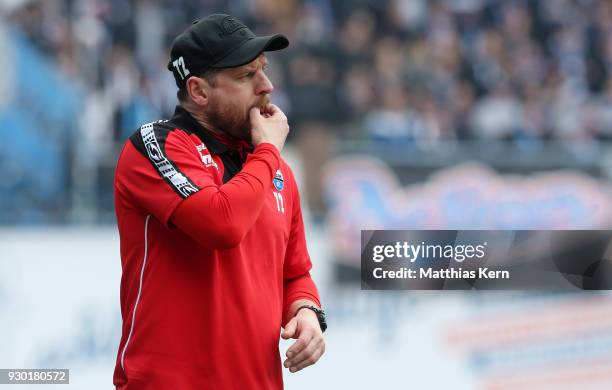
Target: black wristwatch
x=320 y=315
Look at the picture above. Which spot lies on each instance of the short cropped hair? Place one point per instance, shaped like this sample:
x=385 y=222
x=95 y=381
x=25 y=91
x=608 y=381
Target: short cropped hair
x=209 y=74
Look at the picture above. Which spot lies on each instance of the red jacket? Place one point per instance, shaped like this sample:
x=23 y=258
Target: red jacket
x=213 y=253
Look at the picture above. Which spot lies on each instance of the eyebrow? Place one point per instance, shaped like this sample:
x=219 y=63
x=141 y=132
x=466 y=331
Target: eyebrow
x=254 y=65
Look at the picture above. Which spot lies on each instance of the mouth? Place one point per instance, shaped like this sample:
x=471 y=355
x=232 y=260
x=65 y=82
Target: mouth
x=263 y=103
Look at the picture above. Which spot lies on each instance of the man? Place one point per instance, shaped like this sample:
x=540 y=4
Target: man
x=212 y=240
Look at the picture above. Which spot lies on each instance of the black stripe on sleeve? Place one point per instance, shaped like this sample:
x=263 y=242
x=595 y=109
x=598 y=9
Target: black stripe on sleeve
x=150 y=141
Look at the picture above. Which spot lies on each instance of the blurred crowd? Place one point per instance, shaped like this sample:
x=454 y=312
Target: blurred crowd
x=401 y=70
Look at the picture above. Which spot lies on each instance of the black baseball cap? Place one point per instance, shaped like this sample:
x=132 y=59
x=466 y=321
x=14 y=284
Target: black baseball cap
x=217 y=41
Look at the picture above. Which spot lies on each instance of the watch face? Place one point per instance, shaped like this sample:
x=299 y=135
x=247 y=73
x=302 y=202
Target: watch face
x=321 y=318
x=322 y=324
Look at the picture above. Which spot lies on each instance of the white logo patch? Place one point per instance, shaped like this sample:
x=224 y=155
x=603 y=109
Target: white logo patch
x=206 y=158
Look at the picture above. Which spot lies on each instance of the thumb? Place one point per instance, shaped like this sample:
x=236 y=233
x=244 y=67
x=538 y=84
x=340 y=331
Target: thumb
x=290 y=329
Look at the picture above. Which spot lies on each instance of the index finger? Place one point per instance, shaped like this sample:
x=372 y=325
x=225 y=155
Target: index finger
x=254 y=111
x=272 y=109
x=301 y=343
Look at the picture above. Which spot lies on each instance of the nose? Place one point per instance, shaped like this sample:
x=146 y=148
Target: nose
x=264 y=85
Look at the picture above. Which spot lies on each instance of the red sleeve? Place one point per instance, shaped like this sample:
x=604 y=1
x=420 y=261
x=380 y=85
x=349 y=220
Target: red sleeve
x=220 y=216
x=158 y=168
x=296 y=272
x=161 y=171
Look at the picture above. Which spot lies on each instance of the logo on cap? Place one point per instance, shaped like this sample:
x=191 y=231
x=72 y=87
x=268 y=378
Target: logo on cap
x=230 y=25
x=181 y=69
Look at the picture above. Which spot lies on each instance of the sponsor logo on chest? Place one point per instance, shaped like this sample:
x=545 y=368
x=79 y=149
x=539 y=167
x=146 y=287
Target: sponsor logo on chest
x=278 y=180
x=206 y=158
x=279 y=184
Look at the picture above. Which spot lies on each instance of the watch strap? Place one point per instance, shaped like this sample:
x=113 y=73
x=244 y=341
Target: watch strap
x=320 y=315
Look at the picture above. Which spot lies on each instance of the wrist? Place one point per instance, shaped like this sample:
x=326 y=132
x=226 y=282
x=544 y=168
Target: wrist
x=308 y=319
x=267 y=144
x=314 y=313
x=304 y=312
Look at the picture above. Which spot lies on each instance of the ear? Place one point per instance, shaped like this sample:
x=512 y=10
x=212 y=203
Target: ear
x=198 y=90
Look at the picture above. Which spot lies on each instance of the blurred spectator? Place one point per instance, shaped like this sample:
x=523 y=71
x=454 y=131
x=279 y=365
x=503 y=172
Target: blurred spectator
x=393 y=119
x=498 y=115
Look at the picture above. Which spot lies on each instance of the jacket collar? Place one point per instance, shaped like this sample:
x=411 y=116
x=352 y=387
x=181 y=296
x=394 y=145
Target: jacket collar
x=183 y=119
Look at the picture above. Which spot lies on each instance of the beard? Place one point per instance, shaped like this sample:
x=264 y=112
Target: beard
x=233 y=120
